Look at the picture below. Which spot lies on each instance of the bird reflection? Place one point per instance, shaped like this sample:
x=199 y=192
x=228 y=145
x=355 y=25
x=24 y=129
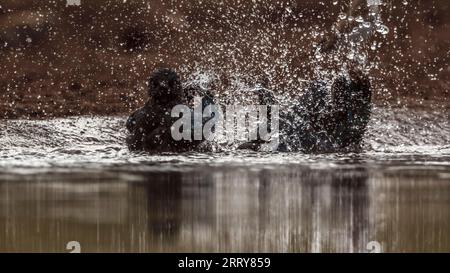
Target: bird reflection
x=164 y=197
x=226 y=209
x=296 y=210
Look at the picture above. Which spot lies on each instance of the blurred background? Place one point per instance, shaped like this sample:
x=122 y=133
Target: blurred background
x=94 y=58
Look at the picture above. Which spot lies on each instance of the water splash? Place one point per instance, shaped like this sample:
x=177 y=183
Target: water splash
x=97 y=142
x=286 y=55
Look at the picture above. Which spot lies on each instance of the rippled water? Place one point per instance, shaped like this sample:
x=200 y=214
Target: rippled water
x=92 y=142
x=73 y=179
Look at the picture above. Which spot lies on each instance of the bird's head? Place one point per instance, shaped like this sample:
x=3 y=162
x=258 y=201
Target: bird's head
x=164 y=86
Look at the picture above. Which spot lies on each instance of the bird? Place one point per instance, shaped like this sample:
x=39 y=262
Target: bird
x=149 y=127
x=325 y=120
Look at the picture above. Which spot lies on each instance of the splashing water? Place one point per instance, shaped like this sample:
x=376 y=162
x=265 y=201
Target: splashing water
x=68 y=177
x=276 y=54
x=100 y=142
x=229 y=63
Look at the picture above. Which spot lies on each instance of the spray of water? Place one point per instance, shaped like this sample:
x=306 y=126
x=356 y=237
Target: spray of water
x=284 y=55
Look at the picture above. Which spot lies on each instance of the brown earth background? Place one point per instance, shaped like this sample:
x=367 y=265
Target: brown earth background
x=95 y=58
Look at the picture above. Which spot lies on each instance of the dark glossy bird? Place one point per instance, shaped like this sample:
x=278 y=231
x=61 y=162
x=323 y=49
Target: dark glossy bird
x=150 y=126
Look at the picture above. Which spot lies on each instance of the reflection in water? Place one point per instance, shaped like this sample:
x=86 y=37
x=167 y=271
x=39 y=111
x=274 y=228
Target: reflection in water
x=287 y=209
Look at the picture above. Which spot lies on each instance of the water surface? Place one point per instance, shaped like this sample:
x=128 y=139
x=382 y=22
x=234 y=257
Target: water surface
x=73 y=179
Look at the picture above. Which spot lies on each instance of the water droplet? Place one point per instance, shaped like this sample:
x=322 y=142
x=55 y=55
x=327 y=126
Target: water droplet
x=351 y=56
x=319 y=56
x=359 y=19
x=373 y=46
x=382 y=29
